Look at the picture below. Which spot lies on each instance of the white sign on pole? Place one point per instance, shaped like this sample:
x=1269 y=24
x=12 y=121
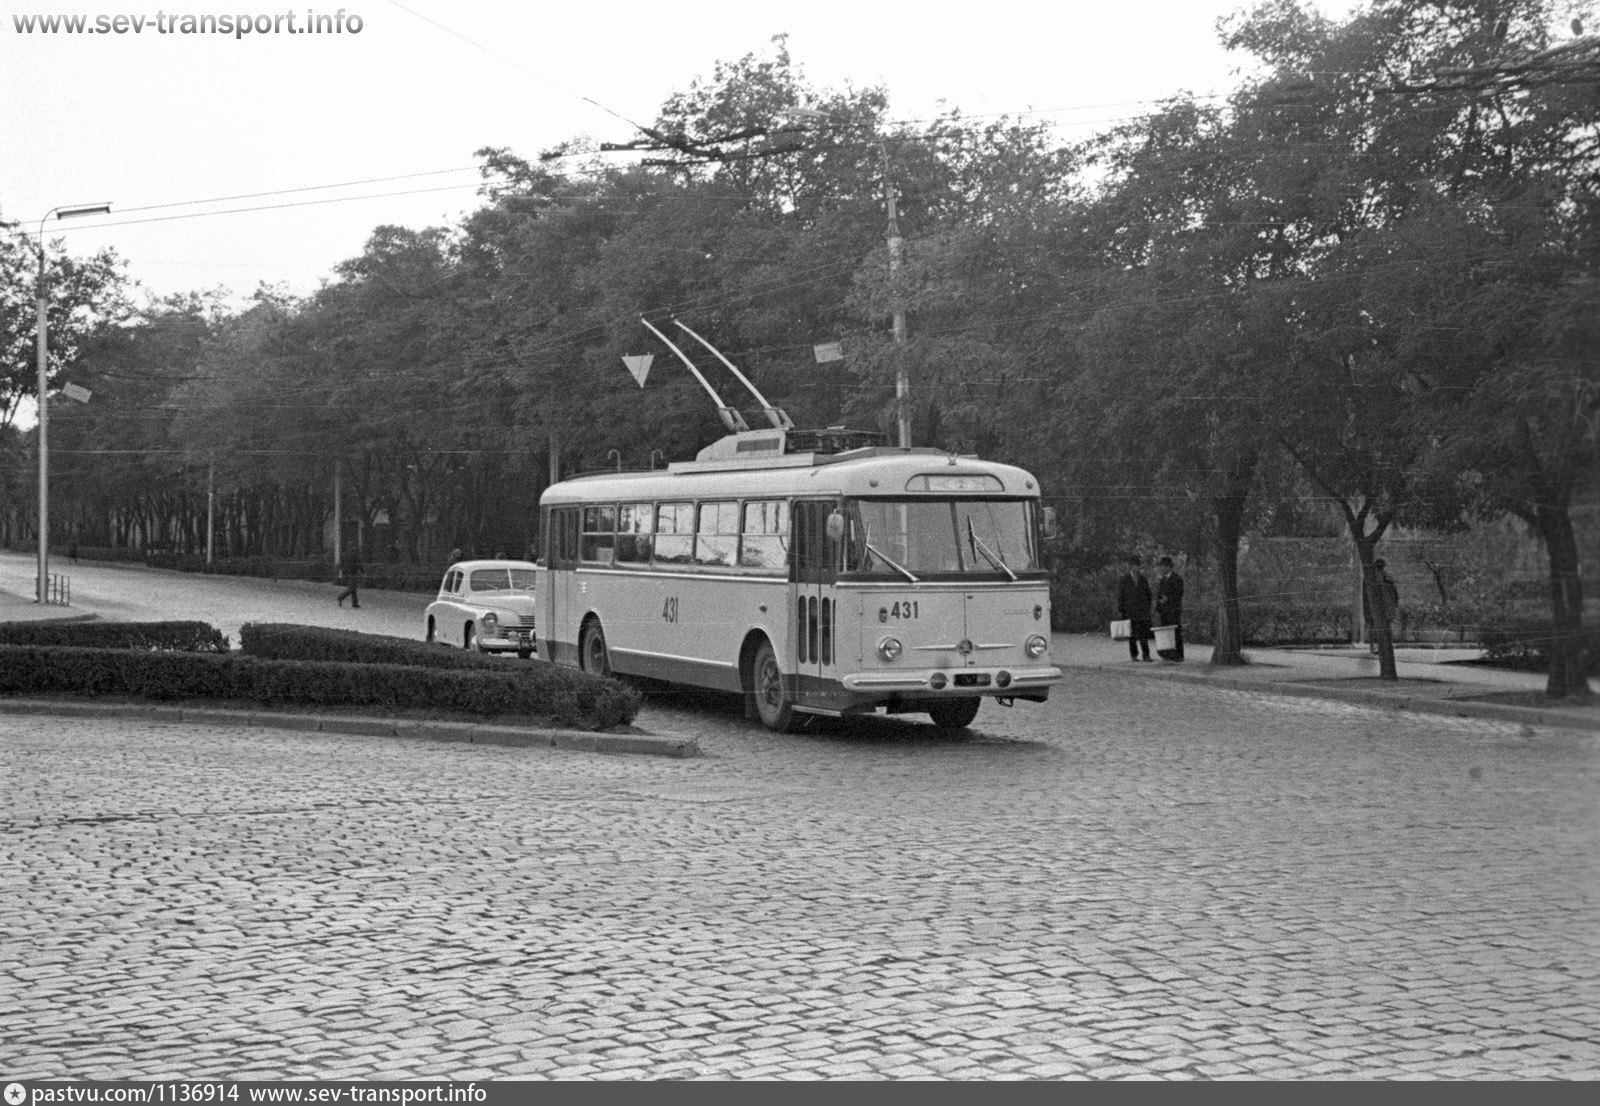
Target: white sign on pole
x=77 y=392
x=639 y=365
x=828 y=351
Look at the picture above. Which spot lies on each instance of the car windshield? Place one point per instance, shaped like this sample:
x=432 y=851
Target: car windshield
x=894 y=537
x=502 y=579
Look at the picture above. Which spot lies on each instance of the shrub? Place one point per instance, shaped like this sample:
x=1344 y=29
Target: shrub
x=1525 y=644
x=183 y=637
x=562 y=695
x=286 y=641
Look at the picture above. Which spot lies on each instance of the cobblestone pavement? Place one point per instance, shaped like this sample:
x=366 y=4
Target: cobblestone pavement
x=1141 y=878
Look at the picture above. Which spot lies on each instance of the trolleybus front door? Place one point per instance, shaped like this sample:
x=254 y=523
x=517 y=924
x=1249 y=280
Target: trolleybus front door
x=814 y=606
x=560 y=642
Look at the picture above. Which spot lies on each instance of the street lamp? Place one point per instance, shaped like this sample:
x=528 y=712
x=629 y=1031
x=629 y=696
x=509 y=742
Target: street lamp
x=902 y=386
x=42 y=291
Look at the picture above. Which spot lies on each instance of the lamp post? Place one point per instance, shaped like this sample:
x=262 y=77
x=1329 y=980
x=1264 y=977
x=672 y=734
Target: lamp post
x=902 y=385
x=43 y=343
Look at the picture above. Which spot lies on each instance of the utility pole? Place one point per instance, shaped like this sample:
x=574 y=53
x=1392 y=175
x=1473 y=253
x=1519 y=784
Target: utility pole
x=902 y=385
x=338 y=516
x=211 y=509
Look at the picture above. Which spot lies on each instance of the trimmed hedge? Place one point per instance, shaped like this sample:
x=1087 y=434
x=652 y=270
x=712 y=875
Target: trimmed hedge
x=287 y=641
x=569 y=698
x=1525 y=644
x=182 y=637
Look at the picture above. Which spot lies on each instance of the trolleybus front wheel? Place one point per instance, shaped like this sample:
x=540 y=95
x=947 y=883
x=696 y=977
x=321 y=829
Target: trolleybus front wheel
x=766 y=684
x=953 y=714
x=592 y=649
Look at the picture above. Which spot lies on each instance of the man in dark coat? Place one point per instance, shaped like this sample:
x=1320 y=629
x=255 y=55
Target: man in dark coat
x=1169 y=606
x=352 y=579
x=1133 y=604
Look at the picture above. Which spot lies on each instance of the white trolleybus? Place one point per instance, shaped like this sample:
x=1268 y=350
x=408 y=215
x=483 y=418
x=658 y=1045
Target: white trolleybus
x=808 y=570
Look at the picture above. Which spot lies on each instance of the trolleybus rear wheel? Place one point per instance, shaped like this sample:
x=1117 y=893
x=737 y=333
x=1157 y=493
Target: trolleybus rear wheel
x=953 y=714
x=592 y=649
x=766 y=683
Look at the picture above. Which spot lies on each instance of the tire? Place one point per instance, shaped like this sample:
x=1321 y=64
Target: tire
x=766 y=688
x=953 y=714
x=592 y=653
x=524 y=654
x=469 y=637
x=430 y=637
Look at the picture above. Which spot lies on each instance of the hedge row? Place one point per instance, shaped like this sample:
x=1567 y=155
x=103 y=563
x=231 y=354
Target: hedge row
x=569 y=698
x=1525 y=644
x=287 y=641
x=185 y=637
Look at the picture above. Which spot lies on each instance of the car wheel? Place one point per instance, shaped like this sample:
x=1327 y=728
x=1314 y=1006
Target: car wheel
x=524 y=654
x=469 y=637
x=766 y=686
x=430 y=637
x=592 y=649
x=953 y=714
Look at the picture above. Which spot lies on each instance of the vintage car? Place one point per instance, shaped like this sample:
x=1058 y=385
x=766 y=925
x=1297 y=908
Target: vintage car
x=487 y=606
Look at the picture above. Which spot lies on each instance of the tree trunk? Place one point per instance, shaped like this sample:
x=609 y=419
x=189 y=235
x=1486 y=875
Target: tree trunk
x=1566 y=678
x=1228 y=648
x=1377 y=600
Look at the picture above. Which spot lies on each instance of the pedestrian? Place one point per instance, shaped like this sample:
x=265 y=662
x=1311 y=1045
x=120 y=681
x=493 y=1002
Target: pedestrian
x=1133 y=604
x=352 y=578
x=1169 y=606
x=1391 y=599
x=72 y=550
x=455 y=554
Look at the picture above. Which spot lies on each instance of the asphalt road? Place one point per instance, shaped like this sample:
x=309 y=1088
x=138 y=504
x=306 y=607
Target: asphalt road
x=1139 y=878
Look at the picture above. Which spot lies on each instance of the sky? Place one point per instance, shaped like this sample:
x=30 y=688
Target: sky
x=181 y=131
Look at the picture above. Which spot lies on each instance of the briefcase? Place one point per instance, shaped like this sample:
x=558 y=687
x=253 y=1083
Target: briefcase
x=1122 y=629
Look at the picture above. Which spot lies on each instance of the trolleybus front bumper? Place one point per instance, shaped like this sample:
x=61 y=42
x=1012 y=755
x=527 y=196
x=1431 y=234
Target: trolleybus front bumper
x=1019 y=683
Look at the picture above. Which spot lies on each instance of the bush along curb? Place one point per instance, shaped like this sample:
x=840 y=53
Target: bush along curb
x=568 y=698
x=475 y=733
x=188 y=637
x=287 y=641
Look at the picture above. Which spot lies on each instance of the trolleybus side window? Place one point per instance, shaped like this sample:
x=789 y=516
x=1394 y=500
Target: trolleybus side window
x=599 y=533
x=674 y=533
x=635 y=524
x=765 y=540
x=716 y=535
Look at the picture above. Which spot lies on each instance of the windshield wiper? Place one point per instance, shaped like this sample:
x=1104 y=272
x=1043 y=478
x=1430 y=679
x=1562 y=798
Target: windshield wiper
x=977 y=543
x=866 y=540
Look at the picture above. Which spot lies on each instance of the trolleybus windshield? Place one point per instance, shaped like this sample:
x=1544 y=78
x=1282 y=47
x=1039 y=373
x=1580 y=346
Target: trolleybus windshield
x=938 y=537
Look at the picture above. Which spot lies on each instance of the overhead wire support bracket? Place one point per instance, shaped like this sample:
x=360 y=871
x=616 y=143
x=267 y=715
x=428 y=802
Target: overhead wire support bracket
x=731 y=418
x=775 y=415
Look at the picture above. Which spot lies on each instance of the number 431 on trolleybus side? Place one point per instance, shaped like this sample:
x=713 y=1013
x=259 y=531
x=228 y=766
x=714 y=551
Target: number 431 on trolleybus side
x=809 y=571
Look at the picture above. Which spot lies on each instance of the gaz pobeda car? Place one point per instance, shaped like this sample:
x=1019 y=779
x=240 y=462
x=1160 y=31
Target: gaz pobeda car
x=487 y=606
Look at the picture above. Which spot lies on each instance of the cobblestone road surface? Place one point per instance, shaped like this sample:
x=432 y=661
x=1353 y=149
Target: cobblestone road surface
x=1137 y=879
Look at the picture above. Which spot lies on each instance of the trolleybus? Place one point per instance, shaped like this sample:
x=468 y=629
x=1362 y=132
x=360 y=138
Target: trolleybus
x=811 y=572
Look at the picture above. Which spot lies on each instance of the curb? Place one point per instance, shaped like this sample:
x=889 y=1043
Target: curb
x=1419 y=704
x=52 y=620
x=473 y=733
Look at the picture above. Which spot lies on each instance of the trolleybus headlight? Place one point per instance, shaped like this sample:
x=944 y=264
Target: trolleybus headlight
x=937 y=681
x=889 y=648
x=1036 y=646
x=489 y=624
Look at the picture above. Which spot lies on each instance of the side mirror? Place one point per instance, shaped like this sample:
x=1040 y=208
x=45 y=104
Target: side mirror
x=1050 y=529
x=836 y=526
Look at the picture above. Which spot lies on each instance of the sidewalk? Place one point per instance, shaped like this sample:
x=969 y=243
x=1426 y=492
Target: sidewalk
x=22 y=608
x=1428 y=682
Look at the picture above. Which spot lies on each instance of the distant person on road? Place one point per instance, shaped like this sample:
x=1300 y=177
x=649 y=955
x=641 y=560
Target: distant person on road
x=1133 y=604
x=351 y=574
x=72 y=550
x=1391 y=600
x=455 y=554
x=1169 y=606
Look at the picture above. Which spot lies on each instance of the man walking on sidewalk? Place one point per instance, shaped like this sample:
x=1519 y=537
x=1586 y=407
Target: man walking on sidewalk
x=1169 y=607
x=352 y=578
x=1133 y=604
